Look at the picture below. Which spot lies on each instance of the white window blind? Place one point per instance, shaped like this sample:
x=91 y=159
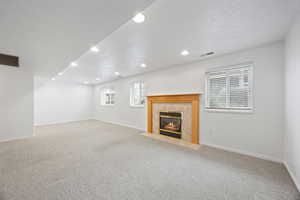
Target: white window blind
x=107 y=96
x=137 y=94
x=229 y=89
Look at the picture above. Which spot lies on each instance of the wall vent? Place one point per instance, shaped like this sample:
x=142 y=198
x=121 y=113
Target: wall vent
x=9 y=60
x=208 y=54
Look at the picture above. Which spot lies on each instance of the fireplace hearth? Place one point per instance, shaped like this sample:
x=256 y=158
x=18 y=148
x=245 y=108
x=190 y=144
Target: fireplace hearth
x=170 y=123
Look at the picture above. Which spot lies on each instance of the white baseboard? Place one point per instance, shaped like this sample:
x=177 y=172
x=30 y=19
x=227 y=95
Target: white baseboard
x=61 y=122
x=14 y=139
x=256 y=155
x=121 y=124
x=297 y=183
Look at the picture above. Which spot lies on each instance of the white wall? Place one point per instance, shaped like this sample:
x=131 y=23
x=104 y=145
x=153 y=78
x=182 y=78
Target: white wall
x=259 y=133
x=292 y=102
x=16 y=102
x=59 y=102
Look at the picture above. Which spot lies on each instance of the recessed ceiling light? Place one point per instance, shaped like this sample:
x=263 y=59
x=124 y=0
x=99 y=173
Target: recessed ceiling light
x=97 y=79
x=86 y=82
x=53 y=79
x=139 y=18
x=143 y=65
x=74 y=64
x=185 y=52
x=60 y=73
x=117 y=73
x=94 y=49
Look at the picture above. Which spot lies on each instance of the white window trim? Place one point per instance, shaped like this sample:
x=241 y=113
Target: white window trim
x=102 y=96
x=245 y=111
x=251 y=83
x=138 y=106
x=130 y=95
x=108 y=105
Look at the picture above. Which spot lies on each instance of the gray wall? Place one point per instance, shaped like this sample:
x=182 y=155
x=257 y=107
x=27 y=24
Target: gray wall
x=259 y=133
x=60 y=102
x=292 y=102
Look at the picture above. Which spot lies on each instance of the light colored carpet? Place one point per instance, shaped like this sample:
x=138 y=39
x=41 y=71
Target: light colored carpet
x=94 y=160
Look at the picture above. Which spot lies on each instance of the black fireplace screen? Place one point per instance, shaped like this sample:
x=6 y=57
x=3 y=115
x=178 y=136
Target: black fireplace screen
x=170 y=123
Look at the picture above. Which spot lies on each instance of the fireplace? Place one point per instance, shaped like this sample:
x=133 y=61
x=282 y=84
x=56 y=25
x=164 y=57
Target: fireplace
x=189 y=127
x=170 y=123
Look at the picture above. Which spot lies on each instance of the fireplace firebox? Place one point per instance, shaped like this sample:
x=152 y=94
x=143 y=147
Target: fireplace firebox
x=170 y=123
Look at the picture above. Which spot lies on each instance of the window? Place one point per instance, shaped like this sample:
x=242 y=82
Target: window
x=137 y=94
x=230 y=89
x=107 y=96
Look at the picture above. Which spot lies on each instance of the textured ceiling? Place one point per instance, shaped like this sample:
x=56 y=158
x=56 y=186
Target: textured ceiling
x=199 y=26
x=48 y=35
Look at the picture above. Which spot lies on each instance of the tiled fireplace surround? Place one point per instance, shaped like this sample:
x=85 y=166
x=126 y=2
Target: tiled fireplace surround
x=185 y=108
x=187 y=104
